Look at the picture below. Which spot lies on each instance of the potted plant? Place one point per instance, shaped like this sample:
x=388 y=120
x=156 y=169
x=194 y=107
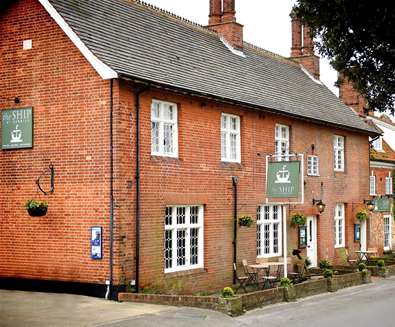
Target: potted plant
x=36 y=208
x=288 y=289
x=245 y=221
x=298 y=219
x=228 y=292
x=362 y=215
x=325 y=264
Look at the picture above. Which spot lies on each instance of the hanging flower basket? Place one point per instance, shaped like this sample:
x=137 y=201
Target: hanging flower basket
x=362 y=215
x=36 y=208
x=298 y=220
x=246 y=221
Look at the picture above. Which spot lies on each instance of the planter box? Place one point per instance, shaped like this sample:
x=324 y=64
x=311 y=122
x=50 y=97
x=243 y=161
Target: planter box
x=310 y=288
x=348 y=280
x=261 y=298
x=289 y=294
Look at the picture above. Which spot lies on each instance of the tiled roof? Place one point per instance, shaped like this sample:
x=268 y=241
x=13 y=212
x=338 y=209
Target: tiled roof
x=144 y=43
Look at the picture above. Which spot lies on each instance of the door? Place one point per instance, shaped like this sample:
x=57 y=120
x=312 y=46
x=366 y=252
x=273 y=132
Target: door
x=364 y=243
x=312 y=240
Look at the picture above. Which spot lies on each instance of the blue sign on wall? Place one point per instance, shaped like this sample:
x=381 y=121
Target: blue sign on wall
x=96 y=243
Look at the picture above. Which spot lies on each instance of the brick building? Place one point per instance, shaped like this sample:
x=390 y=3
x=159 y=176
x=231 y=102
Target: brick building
x=158 y=131
x=378 y=231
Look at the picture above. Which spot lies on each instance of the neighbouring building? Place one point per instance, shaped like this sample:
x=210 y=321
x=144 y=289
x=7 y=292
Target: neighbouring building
x=151 y=135
x=378 y=231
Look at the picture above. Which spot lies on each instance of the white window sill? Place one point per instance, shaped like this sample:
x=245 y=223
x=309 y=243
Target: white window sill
x=311 y=175
x=184 y=269
x=339 y=170
x=174 y=156
x=231 y=161
x=268 y=256
x=339 y=246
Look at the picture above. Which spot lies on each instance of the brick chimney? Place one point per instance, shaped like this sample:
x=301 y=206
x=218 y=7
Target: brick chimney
x=222 y=19
x=351 y=97
x=302 y=50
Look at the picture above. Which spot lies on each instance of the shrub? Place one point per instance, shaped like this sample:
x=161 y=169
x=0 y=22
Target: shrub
x=362 y=215
x=328 y=273
x=285 y=282
x=380 y=263
x=33 y=204
x=228 y=292
x=298 y=220
x=325 y=264
x=245 y=221
x=362 y=266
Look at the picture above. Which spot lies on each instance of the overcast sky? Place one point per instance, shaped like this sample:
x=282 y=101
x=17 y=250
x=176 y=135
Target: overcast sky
x=266 y=24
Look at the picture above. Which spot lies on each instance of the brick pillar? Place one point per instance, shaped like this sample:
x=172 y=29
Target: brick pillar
x=350 y=96
x=229 y=11
x=296 y=49
x=308 y=46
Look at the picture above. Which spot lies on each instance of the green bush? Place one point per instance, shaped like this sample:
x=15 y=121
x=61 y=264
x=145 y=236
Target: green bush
x=328 y=273
x=245 y=221
x=362 y=266
x=228 y=292
x=325 y=264
x=285 y=282
x=33 y=204
x=298 y=220
x=362 y=215
x=380 y=263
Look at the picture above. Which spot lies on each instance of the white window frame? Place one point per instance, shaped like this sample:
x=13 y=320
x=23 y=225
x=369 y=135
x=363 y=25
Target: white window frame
x=270 y=222
x=389 y=185
x=338 y=152
x=340 y=218
x=173 y=228
x=281 y=142
x=161 y=120
x=226 y=133
x=387 y=233
x=377 y=144
x=372 y=184
x=313 y=165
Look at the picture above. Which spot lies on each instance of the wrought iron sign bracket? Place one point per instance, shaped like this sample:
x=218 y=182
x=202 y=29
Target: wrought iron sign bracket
x=51 y=171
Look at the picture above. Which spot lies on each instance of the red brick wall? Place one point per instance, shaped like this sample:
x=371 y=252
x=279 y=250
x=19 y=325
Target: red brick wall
x=71 y=114
x=199 y=177
x=71 y=109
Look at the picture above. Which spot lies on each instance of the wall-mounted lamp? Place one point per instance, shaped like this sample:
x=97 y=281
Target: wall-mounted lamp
x=320 y=205
x=369 y=204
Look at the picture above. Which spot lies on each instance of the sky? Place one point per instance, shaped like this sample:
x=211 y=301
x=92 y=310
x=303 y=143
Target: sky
x=266 y=24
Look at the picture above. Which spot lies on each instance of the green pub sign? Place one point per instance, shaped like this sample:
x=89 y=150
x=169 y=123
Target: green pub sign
x=283 y=179
x=16 y=128
x=383 y=204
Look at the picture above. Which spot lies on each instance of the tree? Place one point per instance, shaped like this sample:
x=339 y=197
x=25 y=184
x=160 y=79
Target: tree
x=358 y=37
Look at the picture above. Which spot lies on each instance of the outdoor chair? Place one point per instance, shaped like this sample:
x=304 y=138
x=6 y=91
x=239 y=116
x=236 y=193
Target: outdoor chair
x=300 y=273
x=241 y=280
x=268 y=280
x=352 y=262
x=252 y=275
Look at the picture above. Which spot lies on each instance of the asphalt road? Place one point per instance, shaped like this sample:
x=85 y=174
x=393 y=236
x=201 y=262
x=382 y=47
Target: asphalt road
x=367 y=305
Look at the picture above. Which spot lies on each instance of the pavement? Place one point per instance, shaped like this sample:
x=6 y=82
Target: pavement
x=366 y=305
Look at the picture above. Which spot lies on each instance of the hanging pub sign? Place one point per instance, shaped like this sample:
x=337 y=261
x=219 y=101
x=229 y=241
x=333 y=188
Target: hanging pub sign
x=16 y=128
x=283 y=179
x=96 y=243
x=383 y=204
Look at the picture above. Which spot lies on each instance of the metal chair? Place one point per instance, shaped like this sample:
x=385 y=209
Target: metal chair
x=252 y=275
x=242 y=280
x=352 y=262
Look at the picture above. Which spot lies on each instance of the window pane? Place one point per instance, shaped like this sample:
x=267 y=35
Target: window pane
x=267 y=213
x=155 y=137
x=258 y=239
x=266 y=238
x=155 y=111
x=275 y=238
x=168 y=138
x=180 y=216
x=224 y=121
x=275 y=212
x=168 y=217
x=194 y=215
x=181 y=233
x=224 y=152
x=194 y=245
x=233 y=146
x=168 y=249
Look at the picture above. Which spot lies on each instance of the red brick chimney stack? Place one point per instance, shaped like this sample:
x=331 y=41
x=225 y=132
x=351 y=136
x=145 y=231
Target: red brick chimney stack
x=302 y=50
x=350 y=96
x=222 y=19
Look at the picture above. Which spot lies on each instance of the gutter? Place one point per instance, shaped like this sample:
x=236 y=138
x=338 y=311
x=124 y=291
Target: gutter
x=235 y=181
x=109 y=282
x=137 y=94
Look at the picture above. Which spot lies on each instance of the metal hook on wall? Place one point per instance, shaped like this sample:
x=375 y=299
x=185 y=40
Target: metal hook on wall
x=51 y=170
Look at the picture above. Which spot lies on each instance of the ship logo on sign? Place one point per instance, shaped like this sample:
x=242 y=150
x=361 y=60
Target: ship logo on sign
x=282 y=176
x=16 y=135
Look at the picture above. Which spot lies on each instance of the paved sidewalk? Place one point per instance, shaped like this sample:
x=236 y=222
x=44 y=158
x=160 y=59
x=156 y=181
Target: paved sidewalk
x=361 y=306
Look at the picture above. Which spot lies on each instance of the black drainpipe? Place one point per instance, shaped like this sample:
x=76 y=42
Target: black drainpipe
x=235 y=180
x=110 y=281
x=137 y=93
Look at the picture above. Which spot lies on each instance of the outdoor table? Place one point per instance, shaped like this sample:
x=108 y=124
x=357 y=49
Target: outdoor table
x=364 y=255
x=265 y=269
